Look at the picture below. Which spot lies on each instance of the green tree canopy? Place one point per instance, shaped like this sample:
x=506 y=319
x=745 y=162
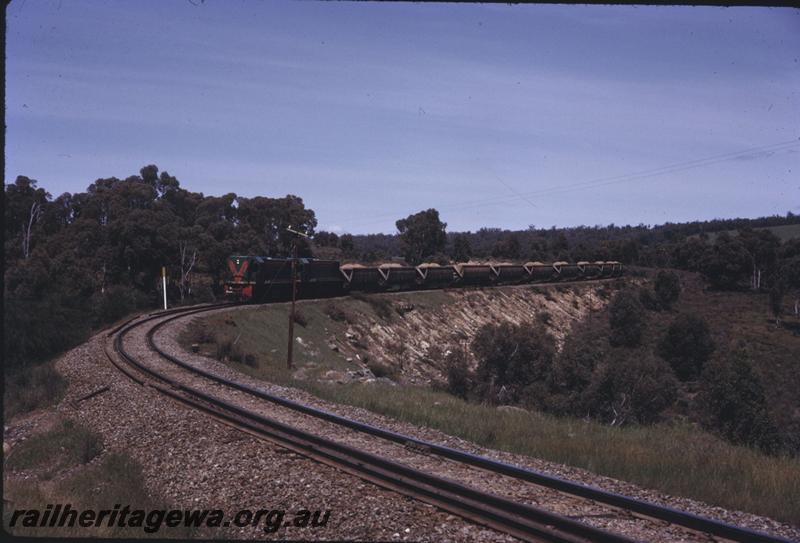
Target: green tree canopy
x=627 y=319
x=326 y=239
x=512 y=356
x=422 y=235
x=89 y=257
x=461 y=249
x=687 y=346
x=667 y=288
x=507 y=247
x=629 y=387
x=726 y=263
x=734 y=404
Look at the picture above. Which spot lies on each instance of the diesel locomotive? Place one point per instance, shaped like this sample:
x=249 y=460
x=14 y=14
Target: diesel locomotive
x=262 y=279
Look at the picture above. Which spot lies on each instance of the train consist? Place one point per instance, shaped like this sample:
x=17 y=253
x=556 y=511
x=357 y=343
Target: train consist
x=261 y=279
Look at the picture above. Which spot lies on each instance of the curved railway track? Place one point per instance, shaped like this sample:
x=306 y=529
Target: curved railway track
x=521 y=520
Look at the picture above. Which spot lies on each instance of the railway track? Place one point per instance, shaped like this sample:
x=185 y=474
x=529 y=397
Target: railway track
x=525 y=521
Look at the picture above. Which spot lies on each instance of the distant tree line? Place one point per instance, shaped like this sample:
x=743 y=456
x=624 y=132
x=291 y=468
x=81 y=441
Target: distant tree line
x=751 y=257
x=669 y=245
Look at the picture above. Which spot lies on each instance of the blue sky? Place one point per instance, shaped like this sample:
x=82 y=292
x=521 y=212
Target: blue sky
x=497 y=115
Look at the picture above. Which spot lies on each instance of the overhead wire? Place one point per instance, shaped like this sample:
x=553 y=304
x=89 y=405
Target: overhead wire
x=604 y=181
x=512 y=189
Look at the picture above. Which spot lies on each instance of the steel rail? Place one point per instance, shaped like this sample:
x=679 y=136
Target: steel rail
x=642 y=507
x=523 y=521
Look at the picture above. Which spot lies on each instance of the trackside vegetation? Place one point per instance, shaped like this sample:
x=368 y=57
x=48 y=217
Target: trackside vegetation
x=619 y=411
x=66 y=444
x=673 y=458
x=67 y=464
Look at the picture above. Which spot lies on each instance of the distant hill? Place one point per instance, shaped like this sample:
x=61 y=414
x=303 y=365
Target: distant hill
x=646 y=245
x=784 y=233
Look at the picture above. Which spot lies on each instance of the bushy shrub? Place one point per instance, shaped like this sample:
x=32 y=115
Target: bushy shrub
x=236 y=355
x=544 y=317
x=113 y=304
x=582 y=353
x=627 y=388
x=687 y=345
x=228 y=350
x=199 y=332
x=203 y=294
x=300 y=318
x=224 y=349
x=627 y=320
x=648 y=299
x=733 y=403
x=379 y=304
x=335 y=312
x=726 y=263
x=249 y=360
x=66 y=443
x=511 y=357
x=34 y=330
x=538 y=396
x=32 y=387
x=776 y=294
x=667 y=288
x=379 y=370
x=452 y=361
x=613 y=385
x=458 y=378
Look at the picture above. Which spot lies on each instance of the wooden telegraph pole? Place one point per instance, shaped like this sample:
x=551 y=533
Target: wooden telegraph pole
x=290 y=347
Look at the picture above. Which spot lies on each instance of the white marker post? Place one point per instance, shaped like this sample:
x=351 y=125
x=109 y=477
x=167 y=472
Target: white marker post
x=164 y=284
x=289 y=349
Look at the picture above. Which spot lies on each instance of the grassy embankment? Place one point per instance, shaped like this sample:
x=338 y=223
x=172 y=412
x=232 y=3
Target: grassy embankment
x=261 y=333
x=677 y=459
x=66 y=464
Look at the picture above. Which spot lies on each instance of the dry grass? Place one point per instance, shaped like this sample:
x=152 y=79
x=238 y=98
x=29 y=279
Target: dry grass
x=117 y=479
x=382 y=370
x=32 y=388
x=66 y=444
x=63 y=465
x=678 y=460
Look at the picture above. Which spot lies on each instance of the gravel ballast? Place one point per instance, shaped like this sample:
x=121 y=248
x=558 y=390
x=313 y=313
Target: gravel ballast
x=193 y=461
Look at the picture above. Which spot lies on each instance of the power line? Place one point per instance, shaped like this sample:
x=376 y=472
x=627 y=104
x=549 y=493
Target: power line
x=522 y=196
x=619 y=178
x=603 y=181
